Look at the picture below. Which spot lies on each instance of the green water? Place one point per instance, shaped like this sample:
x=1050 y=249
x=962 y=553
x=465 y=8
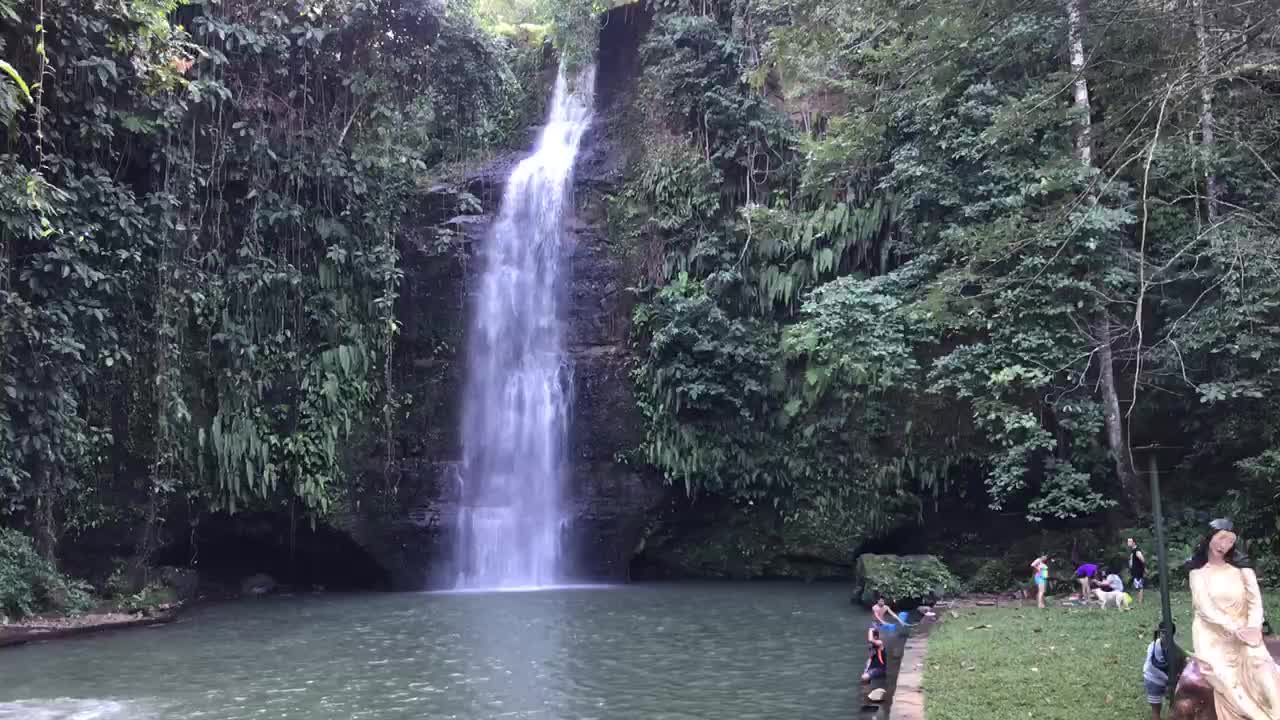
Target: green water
x=642 y=652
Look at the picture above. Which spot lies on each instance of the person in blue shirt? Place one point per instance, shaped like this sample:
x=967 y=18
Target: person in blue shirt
x=1040 y=572
x=1155 y=674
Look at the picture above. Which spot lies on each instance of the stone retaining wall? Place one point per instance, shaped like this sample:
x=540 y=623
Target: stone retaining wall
x=908 y=692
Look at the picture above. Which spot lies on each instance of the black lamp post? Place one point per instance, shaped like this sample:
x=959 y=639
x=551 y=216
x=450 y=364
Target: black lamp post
x=1175 y=655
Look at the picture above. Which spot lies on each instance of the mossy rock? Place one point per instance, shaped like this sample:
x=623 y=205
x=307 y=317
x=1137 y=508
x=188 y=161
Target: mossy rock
x=906 y=581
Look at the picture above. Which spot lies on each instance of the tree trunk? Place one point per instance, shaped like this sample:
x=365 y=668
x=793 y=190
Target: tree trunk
x=44 y=523
x=1206 y=114
x=1080 y=86
x=140 y=565
x=1113 y=421
x=1117 y=444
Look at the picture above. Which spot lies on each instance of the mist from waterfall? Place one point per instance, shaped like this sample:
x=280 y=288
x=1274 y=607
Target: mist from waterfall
x=519 y=392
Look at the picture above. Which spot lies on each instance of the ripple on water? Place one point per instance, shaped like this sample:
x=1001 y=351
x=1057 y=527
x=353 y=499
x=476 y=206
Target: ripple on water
x=671 y=652
x=74 y=709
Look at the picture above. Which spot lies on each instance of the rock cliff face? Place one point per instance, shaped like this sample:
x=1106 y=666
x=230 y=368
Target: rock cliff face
x=402 y=511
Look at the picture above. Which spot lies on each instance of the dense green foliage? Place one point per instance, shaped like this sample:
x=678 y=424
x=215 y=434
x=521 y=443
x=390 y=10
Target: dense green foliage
x=886 y=252
x=199 y=208
x=572 y=25
x=995 y=576
x=903 y=580
x=29 y=584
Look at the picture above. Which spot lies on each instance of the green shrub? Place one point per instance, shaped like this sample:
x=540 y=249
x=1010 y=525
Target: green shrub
x=903 y=580
x=155 y=593
x=1267 y=566
x=1060 y=546
x=29 y=584
x=995 y=576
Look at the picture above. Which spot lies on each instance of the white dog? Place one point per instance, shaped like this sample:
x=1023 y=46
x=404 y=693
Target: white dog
x=1122 y=600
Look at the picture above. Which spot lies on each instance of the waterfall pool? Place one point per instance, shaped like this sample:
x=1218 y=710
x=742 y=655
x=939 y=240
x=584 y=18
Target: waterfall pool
x=674 y=651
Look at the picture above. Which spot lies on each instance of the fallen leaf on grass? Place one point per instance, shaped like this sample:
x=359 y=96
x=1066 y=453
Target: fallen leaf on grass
x=980 y=627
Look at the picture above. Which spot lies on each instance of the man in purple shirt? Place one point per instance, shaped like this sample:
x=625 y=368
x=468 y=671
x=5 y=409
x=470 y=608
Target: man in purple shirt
x=1084 y=574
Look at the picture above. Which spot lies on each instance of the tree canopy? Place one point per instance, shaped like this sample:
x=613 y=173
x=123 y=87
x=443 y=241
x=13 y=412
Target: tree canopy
x=896 y=245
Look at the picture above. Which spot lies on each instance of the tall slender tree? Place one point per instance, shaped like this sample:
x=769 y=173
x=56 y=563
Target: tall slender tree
x=1103 y=327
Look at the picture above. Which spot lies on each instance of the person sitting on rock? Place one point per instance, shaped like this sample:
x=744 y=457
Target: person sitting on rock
x=876 y=666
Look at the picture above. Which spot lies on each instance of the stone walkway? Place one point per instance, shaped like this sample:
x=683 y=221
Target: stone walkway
x=908 y=697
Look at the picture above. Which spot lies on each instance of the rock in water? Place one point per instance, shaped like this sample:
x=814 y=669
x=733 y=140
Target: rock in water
x=260 y=584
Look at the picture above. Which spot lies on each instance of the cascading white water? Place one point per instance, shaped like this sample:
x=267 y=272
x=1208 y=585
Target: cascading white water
x=519 y=393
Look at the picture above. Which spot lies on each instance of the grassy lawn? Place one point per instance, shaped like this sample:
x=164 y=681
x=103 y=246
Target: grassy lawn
x=1052 y=664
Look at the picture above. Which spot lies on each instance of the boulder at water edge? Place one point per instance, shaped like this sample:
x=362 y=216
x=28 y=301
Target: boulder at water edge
x=906 y=581
x=260 y=584
x=184 y=582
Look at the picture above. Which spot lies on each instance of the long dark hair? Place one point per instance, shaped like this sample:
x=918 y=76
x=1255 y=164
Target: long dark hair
x=1235 y=556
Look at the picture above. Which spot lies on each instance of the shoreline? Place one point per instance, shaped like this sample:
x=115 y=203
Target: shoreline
x=18 y=634
x=43 y=629
x=902 y=683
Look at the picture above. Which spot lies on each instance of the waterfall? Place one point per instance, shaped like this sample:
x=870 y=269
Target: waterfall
x=519 y=391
